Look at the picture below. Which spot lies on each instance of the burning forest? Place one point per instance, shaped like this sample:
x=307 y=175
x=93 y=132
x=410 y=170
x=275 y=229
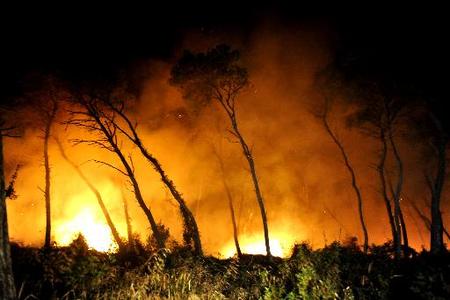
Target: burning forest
x=265 y=156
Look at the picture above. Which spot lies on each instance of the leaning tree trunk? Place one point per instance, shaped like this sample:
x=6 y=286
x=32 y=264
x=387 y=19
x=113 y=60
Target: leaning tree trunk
x=397 y=193
x=110 y=137
x=97 y=194
x=230 y=205
x=7 y=288
x=248 y=155
x=437 y=241
x=353 y=179
x=137 y=193
x=131 y=243
x=381 y=170
x=191 y=232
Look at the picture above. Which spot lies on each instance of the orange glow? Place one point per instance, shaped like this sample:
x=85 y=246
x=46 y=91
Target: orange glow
x=96 y=232
x=280 y=245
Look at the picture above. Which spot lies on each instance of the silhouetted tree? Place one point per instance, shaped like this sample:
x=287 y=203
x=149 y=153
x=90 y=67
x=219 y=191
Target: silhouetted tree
x=97 y=194
x=216 y=75
x=379 y=116
x=349 y=167
x=7 y=288
x=47 y=107
x=98 y=119
x=433 y=127
x=116 y=104
x=230 y=202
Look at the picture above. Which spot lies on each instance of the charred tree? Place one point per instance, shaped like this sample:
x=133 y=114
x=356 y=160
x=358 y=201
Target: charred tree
x=191 y=234
x=217 y=76
x=7 y=288
x=95 y=119
x=230 y=204
x=97 y=194
x=350 y=170
x=436 y=184
x=49 y=118
x=131 y=242
x=384 y=192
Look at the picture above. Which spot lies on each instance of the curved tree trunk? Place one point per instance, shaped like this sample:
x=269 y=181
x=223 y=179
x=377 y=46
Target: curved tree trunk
x=381 y=171
x=230 y=205
x=111 y=138
x=97 y=194
x=131 y=243
x=259 y=197
x=352 y=176
x=191 y=232
x=138 y=194
x=397 y=193
x=7 y=288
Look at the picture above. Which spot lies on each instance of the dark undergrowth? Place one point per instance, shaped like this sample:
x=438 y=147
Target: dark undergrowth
x=338 y=271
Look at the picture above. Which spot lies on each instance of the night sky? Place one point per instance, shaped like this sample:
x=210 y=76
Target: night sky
x=404 y=43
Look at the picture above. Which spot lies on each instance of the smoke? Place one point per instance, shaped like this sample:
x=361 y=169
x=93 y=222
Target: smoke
x=305 y=185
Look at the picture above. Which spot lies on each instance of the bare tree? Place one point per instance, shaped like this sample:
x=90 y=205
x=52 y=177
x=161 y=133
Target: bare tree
x=379 y=116
x=230 y=202
x=216 y=75
x=436 y=184
x=191 y=234
x=48 y=119
x=97 y=119
x=427 y=222
x=131 y=242
x=349 y=168
x=97 y=194
x=7 y=287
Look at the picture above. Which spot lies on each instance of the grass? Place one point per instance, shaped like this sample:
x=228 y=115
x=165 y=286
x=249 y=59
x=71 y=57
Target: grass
x=338 y=271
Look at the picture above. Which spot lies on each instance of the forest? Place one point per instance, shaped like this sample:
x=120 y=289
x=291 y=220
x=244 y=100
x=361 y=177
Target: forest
x=252 y=153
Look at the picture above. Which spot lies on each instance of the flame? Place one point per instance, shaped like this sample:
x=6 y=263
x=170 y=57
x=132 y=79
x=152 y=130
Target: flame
x=95 y=231
x=280 y=245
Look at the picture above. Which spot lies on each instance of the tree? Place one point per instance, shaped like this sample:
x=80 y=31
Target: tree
x=7 y=288
x=434 y=129
x=230 y=202
x=47 y=110
x=349 y=167
x=116 y=105
x=216 y=75
x=98 y=120
x=97 y=194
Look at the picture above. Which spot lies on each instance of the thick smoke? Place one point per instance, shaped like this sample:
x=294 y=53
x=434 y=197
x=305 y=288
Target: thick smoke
x=306 y=187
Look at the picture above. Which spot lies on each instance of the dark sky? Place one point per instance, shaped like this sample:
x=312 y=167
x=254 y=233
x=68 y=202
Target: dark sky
x=404 y=42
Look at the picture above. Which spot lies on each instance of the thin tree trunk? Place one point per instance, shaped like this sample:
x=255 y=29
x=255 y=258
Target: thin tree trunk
x=352 y=175
x=404 y=233
x=131 y=244
x=111 y=139
x=191 y=231
x=397 y=192
x=381 y=171
x=230 y=204
x=251 y=163
x=437 y=242
x=7 y=288
x=427 y=221
x=47 y=133
x=97 y=194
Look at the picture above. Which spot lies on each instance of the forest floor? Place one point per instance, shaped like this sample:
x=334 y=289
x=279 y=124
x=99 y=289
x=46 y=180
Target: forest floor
x=338 y=271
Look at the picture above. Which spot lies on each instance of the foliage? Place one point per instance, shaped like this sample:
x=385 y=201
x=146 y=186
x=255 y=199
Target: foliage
x=338 y=271
x=205 y=76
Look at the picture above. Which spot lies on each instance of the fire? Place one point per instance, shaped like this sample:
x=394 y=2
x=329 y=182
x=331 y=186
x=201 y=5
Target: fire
x=280 y=245
x=95 y=231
